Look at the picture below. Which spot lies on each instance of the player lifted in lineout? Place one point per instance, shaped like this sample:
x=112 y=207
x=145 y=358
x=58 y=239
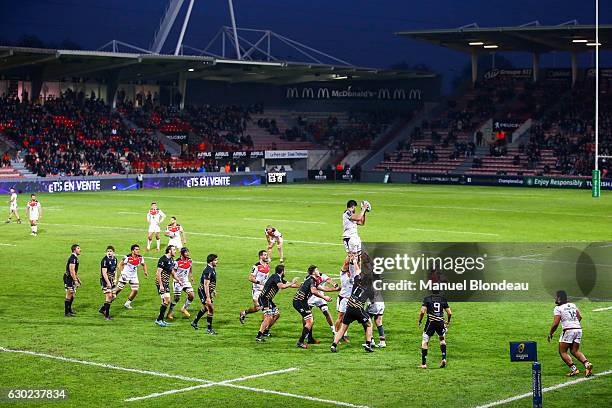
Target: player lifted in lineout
x=129 y=274
x=155 y=217
x=34 y=213
x=13 y=207
x=183 y=284
x=258 y=277
x=350 y=221
x=176 y=234
x=434 y=305
x=569 y=316
x=274 y=237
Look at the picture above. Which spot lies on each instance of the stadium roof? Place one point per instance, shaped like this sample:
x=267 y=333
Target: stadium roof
x=528 y=38
x=52 y=64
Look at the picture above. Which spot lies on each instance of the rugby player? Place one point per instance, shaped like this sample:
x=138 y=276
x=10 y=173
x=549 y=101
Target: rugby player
x=434 y=305
x=185 y=276
x=311 y=286
x=166 y=267
x=346 y=287
x=155 y=217
x=71 y=279
x=274 y=237
x=176 y=233
x=258 y=276
x=362 y=287
x=13 y=207
x=350 y=221
x=569 y=316
x=206 y=292
x=274 y=283
x=315 y=301
x=129 y=274
x=108 y=268
x=34 y=212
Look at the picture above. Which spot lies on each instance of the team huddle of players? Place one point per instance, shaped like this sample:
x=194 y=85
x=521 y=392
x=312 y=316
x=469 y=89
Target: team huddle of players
x=355 y=302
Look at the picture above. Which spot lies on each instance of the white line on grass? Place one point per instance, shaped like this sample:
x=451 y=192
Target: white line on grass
x=601 y=309
x=547 y=389
x=451 y=232
x=8 y=245
x=129 y=213
x=275 y=220
x=180 y=377
x=195 y=387
x=206 y=234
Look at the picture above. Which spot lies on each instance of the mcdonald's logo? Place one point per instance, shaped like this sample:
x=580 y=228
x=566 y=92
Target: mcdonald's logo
x=414 y=94
x=323 y=93
x=292 y=93
x=399 y=94
x=307 y=93
x=384 y=93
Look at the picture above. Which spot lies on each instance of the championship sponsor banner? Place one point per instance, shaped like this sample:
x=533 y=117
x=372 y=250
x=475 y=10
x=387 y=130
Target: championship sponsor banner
x=559 y=74
x=603 y=72
x=351 y=92
x=197 y=180
x=523 y=351
x=182 y=138
x=286 y=154
x=516 y=181
x=506 y=125
x=330 y=175
x=508 y=73
x=488 y=271
x=276 y=177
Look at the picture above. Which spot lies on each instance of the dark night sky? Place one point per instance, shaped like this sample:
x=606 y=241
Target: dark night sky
x=359 y=31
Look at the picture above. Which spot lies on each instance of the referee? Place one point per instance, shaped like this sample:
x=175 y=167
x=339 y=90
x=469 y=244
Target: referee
x=71 y=279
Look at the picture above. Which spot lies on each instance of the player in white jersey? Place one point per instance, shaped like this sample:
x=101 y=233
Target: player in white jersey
x=258 y=277
x=129 y=274
x=184 y=283
x=322 y=304
x=13 y=207
x=346 y=288
x=155 y=217
x=176 y=233
x=274 y=236
x=569 y=316
x=34 y=213
x=350 y=221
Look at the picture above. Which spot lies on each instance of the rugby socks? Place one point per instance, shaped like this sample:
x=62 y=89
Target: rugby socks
x=199 y=316
x=209 y=322
x=171 y=307
x=443 y=349
x=259 y=335
x=573 y=367
x=148 y=245
x=162 y=312
x=187 y=303
x=381 y=333
x=127 y=303
x=70 y=305
x=158 y=243
x=106 y=309
x=423 y=356
x=333 y=329
x=305 y=333
x=66 y=306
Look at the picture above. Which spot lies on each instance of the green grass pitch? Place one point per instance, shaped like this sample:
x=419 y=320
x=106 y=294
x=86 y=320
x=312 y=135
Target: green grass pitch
x=230 y=222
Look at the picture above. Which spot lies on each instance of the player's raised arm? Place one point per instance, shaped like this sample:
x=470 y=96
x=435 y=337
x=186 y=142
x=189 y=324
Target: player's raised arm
x=293 y=284
x=318 y=292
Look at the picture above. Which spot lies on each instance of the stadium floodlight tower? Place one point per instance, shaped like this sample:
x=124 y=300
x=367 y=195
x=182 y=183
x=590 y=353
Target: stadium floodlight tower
x=167 y=22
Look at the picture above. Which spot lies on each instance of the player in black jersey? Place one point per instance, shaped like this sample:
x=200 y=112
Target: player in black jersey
x=309 y=287
x=274 y=283
x=434 y=305
x=166 y=267
x=355 y=307
x=71 y=279
x=108 y=268
x=207 y=292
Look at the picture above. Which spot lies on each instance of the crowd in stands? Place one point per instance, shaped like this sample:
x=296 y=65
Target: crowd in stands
x=74 y=135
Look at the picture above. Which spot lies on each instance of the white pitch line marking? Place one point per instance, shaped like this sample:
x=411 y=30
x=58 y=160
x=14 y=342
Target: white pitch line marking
x=195 y=387
x=547 y=389
x=180 y=377
x=206 y=234
x=601 y=309
x=129 y=213
x=8 y=245
x=275 y=220
x=451 y=232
